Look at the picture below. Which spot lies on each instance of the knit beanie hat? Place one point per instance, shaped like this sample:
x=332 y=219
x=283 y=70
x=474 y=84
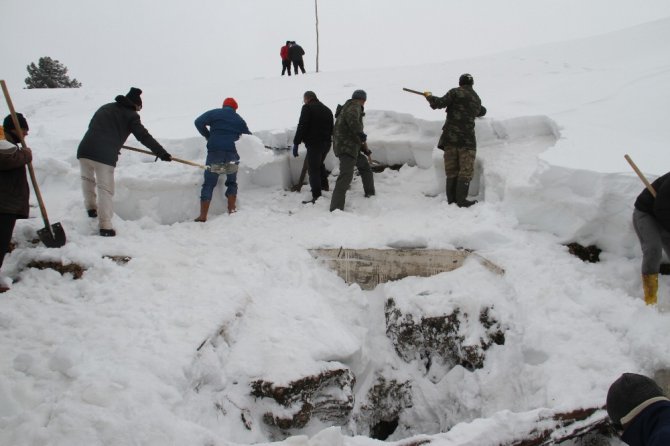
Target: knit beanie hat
x=230 y=102
x=134 y=96
x=466 y=79
x=8 y=122
x=360 y=94
x=627 y=393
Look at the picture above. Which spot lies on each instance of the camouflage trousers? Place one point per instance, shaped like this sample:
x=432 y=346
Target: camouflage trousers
x=459 y=162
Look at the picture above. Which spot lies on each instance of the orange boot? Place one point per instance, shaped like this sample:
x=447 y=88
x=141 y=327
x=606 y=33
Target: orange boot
x=204 y=209
x=231 y=204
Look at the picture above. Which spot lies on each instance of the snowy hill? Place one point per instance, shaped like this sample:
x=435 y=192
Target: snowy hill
x=166 y=348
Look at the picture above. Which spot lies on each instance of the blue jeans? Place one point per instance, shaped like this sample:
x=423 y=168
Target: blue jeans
x=212 y=178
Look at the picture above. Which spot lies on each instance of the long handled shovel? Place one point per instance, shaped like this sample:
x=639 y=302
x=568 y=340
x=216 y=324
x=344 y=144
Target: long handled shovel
x=301 y=180
x=53 y=236
x=641 y=175
x=146 y=152
x=218 y=168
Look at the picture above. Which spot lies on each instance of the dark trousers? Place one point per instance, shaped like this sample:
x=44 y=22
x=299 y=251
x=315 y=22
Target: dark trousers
x=318 y=175
x=7 y=222
x=285 y=66
x=347 y=164
x=298 y=64
x=653 y=241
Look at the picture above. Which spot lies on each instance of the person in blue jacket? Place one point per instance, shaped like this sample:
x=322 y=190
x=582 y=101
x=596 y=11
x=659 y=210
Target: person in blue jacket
x=640 y=410
x=221 y=127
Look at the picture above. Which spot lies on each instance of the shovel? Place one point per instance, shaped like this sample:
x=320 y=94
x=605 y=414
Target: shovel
x=641 y=175
x=217 y=168
x=53 y=236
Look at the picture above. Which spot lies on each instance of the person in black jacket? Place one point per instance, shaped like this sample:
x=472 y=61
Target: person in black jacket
x=14 y=192
x=295 y=53
x=651 y=220
x=99 y=151
x=315 y=129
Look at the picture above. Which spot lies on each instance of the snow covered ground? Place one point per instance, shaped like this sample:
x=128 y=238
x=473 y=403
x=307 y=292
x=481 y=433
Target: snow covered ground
x=113 y=359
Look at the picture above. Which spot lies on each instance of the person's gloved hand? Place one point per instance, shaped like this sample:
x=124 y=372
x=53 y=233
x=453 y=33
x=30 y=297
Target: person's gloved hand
x=363 y=136
x=165 y=156
x=295 y=150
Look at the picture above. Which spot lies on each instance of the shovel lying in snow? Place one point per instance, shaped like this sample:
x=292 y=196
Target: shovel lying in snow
x=53 y=236
x=217 y=168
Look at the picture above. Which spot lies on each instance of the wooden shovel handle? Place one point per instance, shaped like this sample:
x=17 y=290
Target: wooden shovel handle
x=641 y=175
x=190 y=163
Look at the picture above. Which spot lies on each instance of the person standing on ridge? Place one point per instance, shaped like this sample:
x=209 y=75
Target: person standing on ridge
x=349 y=141
x=315 y=129
x=99 y=151
x=285 y=61
x=651 y=221
x=221 y=127
x=295 y=53
x=14 y=191
x=458 y=137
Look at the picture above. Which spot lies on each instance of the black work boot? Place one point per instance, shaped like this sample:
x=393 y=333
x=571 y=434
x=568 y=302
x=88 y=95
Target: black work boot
x=451 y=190
x=462 y=187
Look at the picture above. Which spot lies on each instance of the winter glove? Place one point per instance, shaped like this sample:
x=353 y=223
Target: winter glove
x=295 y=150
x=363 y=136
x=165 y=156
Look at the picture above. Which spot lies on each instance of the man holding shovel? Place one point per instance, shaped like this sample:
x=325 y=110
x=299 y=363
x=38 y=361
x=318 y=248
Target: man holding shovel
x=315 y=129
x=458 y=137
x=651 y=221
x=14 y=191
x=99 y=151
x=349 y=141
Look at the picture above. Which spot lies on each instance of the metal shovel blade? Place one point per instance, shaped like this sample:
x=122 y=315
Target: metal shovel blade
x=223 y=168
x=53 y=237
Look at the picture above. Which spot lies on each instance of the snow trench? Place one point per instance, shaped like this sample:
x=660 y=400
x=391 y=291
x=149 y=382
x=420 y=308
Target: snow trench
x=509 y=171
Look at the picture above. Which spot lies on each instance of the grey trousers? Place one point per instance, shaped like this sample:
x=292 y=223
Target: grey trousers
x=653 y=241
x=347 y=164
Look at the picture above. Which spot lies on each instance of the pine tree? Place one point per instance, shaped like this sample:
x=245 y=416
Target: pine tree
x=49 y=73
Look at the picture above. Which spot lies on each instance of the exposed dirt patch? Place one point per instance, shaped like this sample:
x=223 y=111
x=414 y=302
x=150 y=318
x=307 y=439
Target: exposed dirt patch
x=76 y=270
x=589 y=253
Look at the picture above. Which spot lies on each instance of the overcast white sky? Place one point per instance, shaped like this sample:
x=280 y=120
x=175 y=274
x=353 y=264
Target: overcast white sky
x=140 y=42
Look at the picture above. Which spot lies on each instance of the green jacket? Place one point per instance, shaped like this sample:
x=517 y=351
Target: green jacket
x=463 y=106
x=348 y=136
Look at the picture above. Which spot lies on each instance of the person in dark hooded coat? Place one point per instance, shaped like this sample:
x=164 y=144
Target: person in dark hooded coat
x=99 y=151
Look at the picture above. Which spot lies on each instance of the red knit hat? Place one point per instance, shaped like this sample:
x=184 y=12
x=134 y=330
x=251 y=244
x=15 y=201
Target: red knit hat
x=230 y=102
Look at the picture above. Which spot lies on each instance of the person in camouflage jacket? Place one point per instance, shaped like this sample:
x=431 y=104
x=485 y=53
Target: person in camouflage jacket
x=458 y=137
x=349 y=141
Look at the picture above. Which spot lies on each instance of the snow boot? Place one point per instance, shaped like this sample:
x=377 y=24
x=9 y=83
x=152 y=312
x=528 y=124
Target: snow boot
x=93 y=213
x=108 y=233
x=204 y=209
x=231 y=204
x=451 y=190
x=462 y=187
x=650 y=286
